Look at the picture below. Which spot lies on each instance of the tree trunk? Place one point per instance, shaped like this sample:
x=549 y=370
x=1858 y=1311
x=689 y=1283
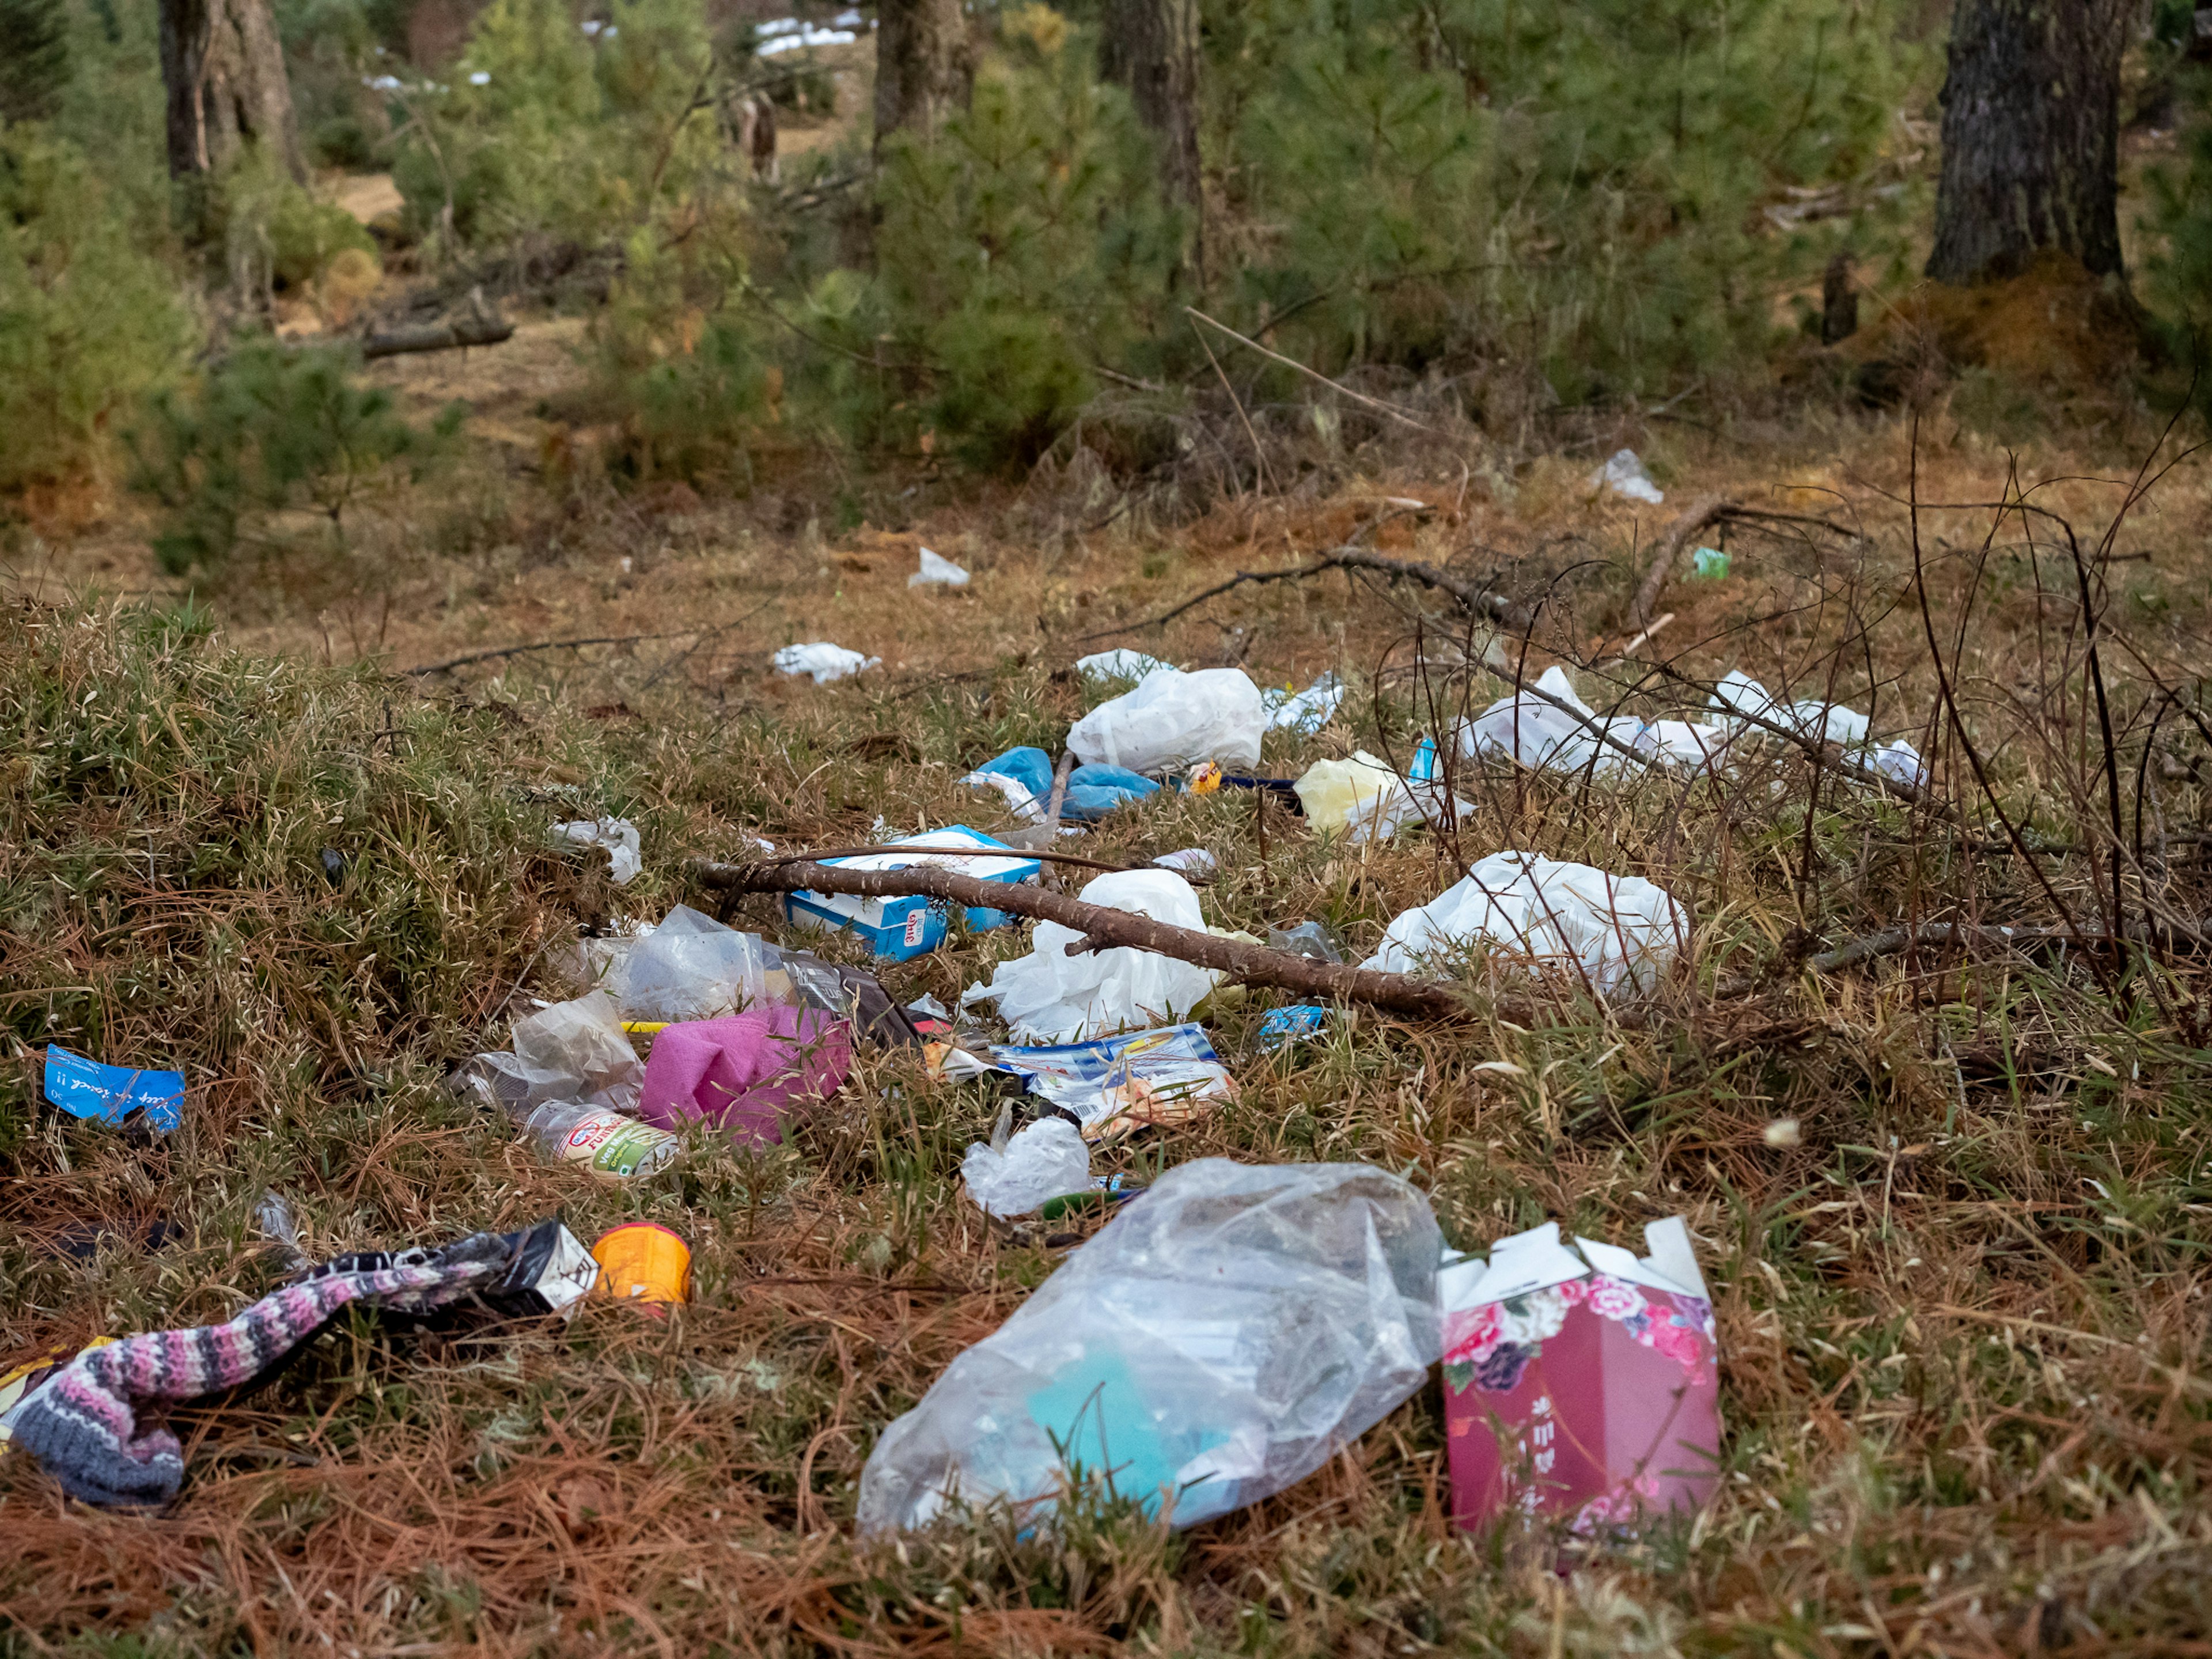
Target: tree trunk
x=923 y=69
x=2031 y=137
x=1150 y=46
x=223 y=66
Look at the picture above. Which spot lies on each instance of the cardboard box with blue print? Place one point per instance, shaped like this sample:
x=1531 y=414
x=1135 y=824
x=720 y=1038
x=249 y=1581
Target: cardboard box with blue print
x=897 y=928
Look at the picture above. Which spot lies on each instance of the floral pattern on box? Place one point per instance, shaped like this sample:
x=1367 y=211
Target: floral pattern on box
x=1489 y=1346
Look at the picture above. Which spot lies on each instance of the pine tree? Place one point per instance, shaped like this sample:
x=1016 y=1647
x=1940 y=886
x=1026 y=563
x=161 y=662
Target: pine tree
x=34 y=59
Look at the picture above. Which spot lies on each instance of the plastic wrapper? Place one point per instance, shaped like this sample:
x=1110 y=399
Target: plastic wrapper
x=690 y=967
x=1112 y=1084
x=1049 y=996
x=1365 y=800
x=113 y=1094
x=1047 y=1159
x=1218 y=1341
x=1580 y=1381
x=1537 y=915
x=747 y=1073
x=1172 y=719
x=617 y=836
x=1623 y=473
x=1315 y=940
x=1539 y=733
x=575 y=1052
x=937 y=571
x=1739 y=694
x=1303 y=711
x=822 y=660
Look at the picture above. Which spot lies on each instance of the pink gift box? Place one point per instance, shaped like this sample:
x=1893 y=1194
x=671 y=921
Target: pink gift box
x=1580 y=1381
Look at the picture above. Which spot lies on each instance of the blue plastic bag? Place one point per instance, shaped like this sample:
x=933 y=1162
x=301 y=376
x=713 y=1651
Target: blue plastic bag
x=109 y=1094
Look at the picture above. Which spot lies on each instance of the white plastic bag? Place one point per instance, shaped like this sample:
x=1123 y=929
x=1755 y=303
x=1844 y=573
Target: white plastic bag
x=1120 y=664
x=1623 y=474
x=1303 y=711
x=1543 y=916
x=1536 y=732
x=1739 y=694
x=1173 y=720
x=1048 y=996
x=625 y=854
x=1044 y=1160
x=690 y=967
x=1219 y=1340
x=937 y=571
x=824 y=661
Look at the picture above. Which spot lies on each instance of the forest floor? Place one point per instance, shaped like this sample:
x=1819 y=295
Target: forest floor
x=1962 y=1321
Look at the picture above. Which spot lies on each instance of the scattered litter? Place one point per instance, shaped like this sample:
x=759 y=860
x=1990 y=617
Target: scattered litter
x=1121 y=664
x=604 y=1144
x=929 y=1007
x=937 y=571
x=806 y=36
x=1542 y=916
x=1024 y=777
x=1537 y=732
x=824 y=661
x=1580 y=1381
x=1739 y=694
x=1709 y=564
x=689 y=967
x=1051 y=996
x=1047 y=1159
x=114 y=1095
x=572 y=1085
x=333 y=865
x=1283 y=1026
x=1363 y=798
x=1189 y=861
x=898 y=928
x=1783 y=1133
x=644 y=1262
x=1303 y=711
x=744 y=1074
x=625 y=854
x=1314 y=939
x=82 y=1423
x=1173 y=719
x=1624 y=474
x=1111 y=1085
x=1220 y=1339
x=1203 y=779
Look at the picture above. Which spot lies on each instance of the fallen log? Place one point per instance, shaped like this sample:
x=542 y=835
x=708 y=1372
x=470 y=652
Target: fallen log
x=1103 y=926
x=479 y=329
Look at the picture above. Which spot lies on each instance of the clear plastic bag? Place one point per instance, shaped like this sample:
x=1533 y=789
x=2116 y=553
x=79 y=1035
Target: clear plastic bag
x=1049 y=996
x=1047 y=1159
x=690 y=967
x=1173 y=719
x=1542 y=916
x=573 y=1051
x=1217 y=1342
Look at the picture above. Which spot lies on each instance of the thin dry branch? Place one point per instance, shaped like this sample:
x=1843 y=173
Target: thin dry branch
x=1473 y=597
x=1375 y=404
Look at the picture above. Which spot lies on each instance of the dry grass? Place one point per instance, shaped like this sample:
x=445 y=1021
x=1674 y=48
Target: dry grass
x=1963 y=1326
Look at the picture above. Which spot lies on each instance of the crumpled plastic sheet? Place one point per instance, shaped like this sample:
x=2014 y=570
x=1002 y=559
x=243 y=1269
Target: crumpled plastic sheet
x=1173 y=720
x=571 y=1051
x=824 y=661
x=625 y=853
x=1538 y=733
x=1219 y=1340
x=1303 y=711
x=937 y=571
x=1623 y=473
x=1024 y=777
x=689 y=967
x=1618 y=933
x=1044 y=1160
x=1048 y=996
x=1738 y=692
x=1120 y=664
x=746 y=1073
x=1365 y=800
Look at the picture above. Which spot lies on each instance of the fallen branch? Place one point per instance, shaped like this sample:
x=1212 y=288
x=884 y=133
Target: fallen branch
x=820 y=853
x=540 y=644
x=1702 y=513
x=1251 y=964
x=478 y=329
x=1473 y=597
x=1895 y=941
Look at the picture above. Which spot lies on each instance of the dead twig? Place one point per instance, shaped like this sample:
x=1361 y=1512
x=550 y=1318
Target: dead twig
x=541 y=644
x=1252 y=964
x=1702 y=513
x=1473 y=597
x=1375 y=404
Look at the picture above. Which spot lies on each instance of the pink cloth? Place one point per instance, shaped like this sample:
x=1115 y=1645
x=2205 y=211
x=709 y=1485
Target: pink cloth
x=742 y=1073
